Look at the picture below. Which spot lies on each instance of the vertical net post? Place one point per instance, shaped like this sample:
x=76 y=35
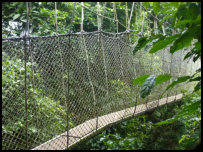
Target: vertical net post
x=158 y=101
x=115 y=16
x=56 y=17
x=82 y=16
x=163 y=29
x=98 y=17
x=167 y=99
x=135 y=105
x=126 y=13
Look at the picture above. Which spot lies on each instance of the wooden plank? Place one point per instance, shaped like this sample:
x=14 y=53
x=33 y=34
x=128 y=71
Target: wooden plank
x=89 y=127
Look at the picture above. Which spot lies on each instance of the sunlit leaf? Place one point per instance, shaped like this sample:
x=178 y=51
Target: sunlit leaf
x=162 y=78
x=140 y=80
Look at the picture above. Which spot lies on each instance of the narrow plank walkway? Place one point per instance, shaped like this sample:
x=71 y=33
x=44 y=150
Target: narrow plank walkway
x=89 y=127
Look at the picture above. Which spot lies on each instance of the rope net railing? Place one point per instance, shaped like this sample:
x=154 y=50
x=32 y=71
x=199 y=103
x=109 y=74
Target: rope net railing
x=51 y=85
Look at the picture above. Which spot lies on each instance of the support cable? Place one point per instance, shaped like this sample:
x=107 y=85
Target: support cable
x=115 y=16
x=156 y=18
x=83 y=6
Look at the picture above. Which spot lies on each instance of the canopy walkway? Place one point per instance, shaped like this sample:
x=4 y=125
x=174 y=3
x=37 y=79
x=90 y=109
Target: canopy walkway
x=90 y=127
x=76 y=83
x=58 y=90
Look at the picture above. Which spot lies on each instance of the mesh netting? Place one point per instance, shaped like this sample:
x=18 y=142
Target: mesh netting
x=75 y=83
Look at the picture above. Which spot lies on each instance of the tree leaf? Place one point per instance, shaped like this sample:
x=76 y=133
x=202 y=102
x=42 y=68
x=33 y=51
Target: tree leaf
x=140 y=80
x=148 y=85
x=183 y=41
x=189 y=54
x=162 y=78
x=141 y=43
x=196 y=57
x=16 y=16
x=195 y=79
x=160 y=44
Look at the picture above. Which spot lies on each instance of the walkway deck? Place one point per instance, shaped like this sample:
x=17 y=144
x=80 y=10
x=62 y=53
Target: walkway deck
x=88 y=128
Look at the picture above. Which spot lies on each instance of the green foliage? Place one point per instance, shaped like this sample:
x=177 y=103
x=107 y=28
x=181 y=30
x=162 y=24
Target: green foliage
x=145 y=4
x=44 y=113
x=42 y=17
x=183 y=41
x=156 y=7
x=162 y=43
x=187 y=19
x=185 y=38
x=187 y=110
x=190 y=115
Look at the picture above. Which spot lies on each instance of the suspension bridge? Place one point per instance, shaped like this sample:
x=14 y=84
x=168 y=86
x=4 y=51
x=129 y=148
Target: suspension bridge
x=69 y=87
